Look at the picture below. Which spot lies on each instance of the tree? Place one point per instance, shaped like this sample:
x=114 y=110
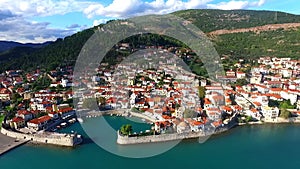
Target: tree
x=102 y=101
x=241 y=82
x=188 y=113
x=201 y=92
x=285 y=114
x=273 y=103
x=126 y=129
x=16 y=97
x=90 y=103
x=248 y=119
x=134 y=109
x=286 y=105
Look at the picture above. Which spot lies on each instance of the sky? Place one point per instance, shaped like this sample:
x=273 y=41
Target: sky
x=37 y=21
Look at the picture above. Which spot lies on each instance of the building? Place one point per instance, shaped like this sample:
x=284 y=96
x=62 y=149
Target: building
x=68 y=111
x=17 y=122
x=24 y=114
x=183 y=127
x=270 y=113
x=240 y=75
x=39 y=123
x=5 y=94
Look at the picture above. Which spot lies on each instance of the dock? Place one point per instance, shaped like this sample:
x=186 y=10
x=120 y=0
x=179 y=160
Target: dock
x=8 y=143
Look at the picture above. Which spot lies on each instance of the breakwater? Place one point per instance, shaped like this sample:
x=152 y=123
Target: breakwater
x=122 y=139
x=59 y=139
x=158 y=138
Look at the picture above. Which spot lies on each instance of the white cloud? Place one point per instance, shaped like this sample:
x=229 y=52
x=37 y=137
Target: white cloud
x=236 y=5
x=99 y=21
x=16 y=25
x=20 y=30
x=128 y=8
x=44 y=7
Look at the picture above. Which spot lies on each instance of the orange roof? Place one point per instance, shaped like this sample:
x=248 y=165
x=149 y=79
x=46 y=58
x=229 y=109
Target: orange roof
x=237 y=107
x=17 y=119
x=277 y=96
x=24 y=112
x=40 y=120
x=197 y=123
x=227 y=108
x=166 y=117
x=275 y=89
x=64 y=110
x=207 y=101
x=213 y=109
x=257 y=103
x=217 y=123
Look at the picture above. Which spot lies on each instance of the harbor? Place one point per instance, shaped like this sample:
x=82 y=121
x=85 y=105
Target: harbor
x=254 y=139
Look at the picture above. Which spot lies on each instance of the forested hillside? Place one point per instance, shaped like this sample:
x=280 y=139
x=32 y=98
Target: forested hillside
x=279 y=42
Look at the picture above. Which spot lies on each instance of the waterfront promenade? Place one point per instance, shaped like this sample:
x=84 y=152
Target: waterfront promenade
x=8 y=143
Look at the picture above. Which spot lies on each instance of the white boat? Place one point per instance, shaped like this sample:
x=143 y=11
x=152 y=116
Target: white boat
x=80 y=120
x=72 y=120
x=63 y=124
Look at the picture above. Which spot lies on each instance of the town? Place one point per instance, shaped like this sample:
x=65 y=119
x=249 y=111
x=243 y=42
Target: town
x=159 y=89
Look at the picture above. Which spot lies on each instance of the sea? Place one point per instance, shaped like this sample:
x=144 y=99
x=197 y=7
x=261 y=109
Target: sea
x=273 y=146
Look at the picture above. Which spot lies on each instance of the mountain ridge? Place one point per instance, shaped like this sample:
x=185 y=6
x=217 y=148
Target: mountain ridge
x=7 y=45
x=65 y=51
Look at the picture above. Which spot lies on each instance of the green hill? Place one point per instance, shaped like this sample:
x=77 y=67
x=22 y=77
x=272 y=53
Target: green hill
x=210 y=20
x=279 y=43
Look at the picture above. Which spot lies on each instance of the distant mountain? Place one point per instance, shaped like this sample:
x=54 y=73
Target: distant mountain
x=239 y=42
x=7 y=45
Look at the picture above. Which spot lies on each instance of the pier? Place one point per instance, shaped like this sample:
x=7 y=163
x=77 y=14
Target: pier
x=8 y=143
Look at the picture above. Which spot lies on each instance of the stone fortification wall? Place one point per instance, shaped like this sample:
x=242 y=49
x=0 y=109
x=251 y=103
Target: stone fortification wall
x=45 y=138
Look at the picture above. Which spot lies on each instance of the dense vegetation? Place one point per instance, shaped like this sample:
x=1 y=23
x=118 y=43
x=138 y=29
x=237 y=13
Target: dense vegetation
x=240 y=45
x=279 y=43
x=62 y=51
x=209 y=20
x=4 y=45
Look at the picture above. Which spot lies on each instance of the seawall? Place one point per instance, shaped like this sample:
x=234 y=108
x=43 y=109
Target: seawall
x=120 y=113
x=121 y=139
x=158 y=138
x=68 y=140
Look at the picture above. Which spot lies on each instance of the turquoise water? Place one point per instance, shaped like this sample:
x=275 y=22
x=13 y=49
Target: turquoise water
x=248 y=147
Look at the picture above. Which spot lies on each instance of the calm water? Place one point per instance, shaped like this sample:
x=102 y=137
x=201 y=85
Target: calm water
x=246 y=147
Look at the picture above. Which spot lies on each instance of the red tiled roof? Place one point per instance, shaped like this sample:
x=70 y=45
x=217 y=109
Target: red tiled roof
x=275 y=89
x=197 y=123
x=257 y=103
x=17 y=119
x=40 y=120
x=24 y=112
x=64 y=110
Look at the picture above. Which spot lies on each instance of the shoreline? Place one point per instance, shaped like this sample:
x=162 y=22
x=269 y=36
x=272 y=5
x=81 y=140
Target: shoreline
x=8 y=144
x=12 y=144
x=149 y=119
x=125 y=140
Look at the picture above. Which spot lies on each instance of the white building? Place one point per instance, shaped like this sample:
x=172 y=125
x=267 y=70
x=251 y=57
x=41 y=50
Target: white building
x=270 y=113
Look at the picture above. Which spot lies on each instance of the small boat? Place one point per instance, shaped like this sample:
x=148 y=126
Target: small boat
x=80 y=120
x=72 y=120
x=63 y=124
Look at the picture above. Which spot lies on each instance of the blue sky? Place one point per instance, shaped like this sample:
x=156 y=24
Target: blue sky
x=44 y=20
